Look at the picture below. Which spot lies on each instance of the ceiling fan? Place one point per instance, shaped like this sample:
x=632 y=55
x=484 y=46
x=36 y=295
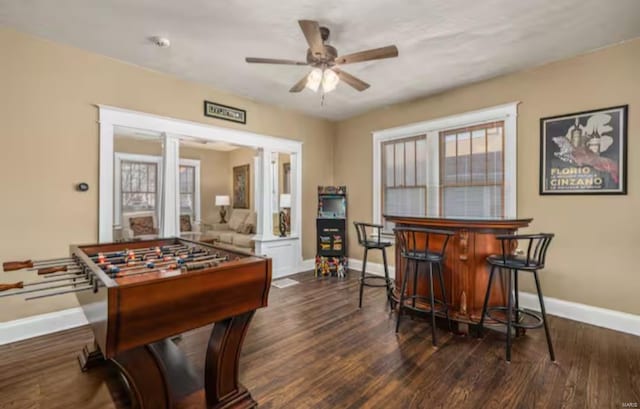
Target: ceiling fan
x=325 y=61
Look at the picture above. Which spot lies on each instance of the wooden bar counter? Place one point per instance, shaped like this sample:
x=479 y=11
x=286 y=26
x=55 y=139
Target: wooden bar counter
x=465 y=269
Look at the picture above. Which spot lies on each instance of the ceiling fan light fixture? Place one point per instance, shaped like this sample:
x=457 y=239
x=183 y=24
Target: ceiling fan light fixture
x=330 y=80
x=314 y=79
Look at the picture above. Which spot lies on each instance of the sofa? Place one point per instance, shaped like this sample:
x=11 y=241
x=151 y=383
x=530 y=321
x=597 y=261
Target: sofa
x=238 y=231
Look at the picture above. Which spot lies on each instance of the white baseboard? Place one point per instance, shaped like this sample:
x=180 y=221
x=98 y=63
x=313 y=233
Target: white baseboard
x=600 y=317
x=306 y=265
x=374 y=268
x=43 y=324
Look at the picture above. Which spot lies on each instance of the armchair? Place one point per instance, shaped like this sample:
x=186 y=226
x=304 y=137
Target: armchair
x=192 y=229
x=139 y=226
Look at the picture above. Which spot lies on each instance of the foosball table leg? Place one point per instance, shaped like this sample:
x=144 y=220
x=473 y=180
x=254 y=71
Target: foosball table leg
x=222 y=388
x=90 y=358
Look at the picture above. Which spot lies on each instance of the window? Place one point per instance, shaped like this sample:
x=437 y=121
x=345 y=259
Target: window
x=139 y=186
x=404 y=176
x=458 y=166
x=472 y=171
x=188 y=190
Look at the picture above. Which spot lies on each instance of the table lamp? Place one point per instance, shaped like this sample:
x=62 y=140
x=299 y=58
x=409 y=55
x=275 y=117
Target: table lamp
x=222 y=201
x=285 y=204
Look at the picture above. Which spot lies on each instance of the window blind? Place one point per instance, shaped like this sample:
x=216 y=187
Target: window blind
x=404 y=178
x=472 y=171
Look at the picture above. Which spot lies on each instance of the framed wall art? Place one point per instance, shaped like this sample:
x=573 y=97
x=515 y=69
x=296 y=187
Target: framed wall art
x=584 y=153
x=215 y=110
x=241 y=187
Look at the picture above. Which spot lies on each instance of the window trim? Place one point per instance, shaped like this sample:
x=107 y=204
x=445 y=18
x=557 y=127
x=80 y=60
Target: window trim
x=506 y=112
x=133 y=157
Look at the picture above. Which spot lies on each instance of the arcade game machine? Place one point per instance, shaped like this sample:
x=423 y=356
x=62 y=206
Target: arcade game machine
x=331 y=227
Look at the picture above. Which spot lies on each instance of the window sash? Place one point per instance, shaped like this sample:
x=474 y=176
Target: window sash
x=187 y=189
x=403 y=174
x=139 y=183
x=466 y=185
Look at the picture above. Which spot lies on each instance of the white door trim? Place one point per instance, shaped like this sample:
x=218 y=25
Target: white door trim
x=110 y=116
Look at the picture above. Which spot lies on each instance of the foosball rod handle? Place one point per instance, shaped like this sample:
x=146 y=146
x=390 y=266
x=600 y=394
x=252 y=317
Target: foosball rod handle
x=11 y=286
x=16 y=265
x=51 y=270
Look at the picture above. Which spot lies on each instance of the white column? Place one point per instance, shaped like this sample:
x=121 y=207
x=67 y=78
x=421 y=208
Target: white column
x=264 y=203
x=170 y=208
x=296 y=193
x=275 y=185
x=258 y=191
x=105 y=188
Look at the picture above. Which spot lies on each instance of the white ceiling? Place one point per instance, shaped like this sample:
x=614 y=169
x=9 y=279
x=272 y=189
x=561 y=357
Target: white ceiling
x=442 y=44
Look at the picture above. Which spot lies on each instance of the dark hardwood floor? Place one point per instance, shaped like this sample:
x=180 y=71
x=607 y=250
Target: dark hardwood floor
x=313 y=348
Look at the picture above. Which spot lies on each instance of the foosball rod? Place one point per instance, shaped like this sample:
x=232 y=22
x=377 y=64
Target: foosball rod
x=114 y=255
x=169 y=259
x=140 y=250
x=34 y=290
x=22 y=284
x=67 y=274
x=19 y=265
x=76 y=290
x=171 y=267
x=159 y=266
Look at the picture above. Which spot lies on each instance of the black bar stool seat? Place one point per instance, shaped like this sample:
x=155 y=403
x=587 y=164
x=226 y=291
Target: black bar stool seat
x=510 y=315
x=365 y=232
x=416 y=248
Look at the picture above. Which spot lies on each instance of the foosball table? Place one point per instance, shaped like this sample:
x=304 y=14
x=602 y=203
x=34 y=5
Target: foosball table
x=138 y=295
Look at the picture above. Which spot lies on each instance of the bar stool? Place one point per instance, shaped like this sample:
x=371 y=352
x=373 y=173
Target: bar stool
x=365 y=231
x=416 y=248
x=536 y=245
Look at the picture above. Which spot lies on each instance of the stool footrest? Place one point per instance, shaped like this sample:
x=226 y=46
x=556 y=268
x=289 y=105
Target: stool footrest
x=385 y=282
x=407 y=304
x=538 y=322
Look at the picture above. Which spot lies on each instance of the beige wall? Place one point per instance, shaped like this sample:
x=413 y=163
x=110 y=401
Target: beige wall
x=593 y=257
x=49 y=142
x=214 y=173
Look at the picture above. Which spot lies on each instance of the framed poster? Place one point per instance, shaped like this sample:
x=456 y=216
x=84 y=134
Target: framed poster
x=241 y=187
x=215 y=110
x=584 y=153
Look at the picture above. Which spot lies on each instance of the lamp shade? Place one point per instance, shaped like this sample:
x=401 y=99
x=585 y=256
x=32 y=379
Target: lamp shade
x=285 y=200
x=222 y=200
x=329 y=80
x=314 y=79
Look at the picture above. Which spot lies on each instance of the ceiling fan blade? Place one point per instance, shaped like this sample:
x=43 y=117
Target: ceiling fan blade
x=273 y=61
x=300 y=84
x=311 y=31
x=368 y=55
x=351 y=80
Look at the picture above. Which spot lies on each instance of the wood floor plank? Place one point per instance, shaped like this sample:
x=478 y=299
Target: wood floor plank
x=314 y=348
